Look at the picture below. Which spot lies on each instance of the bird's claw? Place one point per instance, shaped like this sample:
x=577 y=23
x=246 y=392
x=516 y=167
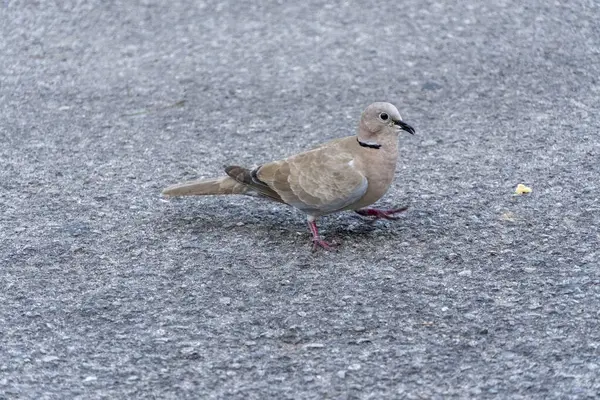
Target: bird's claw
x=378 y=213
x=320 y=243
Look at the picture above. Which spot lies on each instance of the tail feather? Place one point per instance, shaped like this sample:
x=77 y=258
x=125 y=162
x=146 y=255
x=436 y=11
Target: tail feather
x=251 y=181
x=216 y=186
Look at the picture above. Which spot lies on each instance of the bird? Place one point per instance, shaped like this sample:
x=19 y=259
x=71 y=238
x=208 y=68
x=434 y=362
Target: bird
x=344 y=174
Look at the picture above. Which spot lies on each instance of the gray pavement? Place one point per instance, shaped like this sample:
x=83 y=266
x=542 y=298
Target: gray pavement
x=109 y=291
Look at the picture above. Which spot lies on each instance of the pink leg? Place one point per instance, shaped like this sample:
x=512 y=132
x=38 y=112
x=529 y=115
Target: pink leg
x=380 y=213
x=316 y=239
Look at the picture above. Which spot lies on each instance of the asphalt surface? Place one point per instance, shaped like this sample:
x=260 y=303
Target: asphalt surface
x=109 y=291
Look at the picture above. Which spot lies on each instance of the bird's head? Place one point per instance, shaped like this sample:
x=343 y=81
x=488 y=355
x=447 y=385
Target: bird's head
x=380 y=120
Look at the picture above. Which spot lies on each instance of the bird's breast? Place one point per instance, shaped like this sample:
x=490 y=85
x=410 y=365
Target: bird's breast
x=380 y=174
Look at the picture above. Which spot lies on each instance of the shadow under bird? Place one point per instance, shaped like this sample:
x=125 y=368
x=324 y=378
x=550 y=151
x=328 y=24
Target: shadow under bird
x=344 y=174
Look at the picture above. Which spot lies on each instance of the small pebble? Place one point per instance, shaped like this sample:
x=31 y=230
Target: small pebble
x=314 y=346
x=187 y=350
x=225 y=300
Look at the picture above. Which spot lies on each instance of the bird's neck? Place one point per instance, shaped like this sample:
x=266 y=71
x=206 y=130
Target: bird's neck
x=378 y=141
x=368 y=145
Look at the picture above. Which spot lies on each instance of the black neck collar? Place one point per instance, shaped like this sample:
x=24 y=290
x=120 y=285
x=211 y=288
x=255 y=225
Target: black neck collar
x=371 y=146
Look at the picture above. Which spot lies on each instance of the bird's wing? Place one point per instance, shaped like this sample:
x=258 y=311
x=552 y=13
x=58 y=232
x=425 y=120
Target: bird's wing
x=317 y=182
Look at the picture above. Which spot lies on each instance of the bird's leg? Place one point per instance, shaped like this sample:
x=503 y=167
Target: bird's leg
x=316 y=239
x=379 y=213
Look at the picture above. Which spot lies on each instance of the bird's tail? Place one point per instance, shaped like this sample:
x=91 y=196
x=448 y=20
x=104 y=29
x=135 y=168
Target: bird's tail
x=205 y=187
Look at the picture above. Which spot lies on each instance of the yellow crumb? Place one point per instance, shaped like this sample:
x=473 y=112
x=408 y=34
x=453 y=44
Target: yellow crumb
x=522 y=189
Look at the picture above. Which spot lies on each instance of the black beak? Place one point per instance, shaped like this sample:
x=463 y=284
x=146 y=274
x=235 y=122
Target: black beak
x=405 y=127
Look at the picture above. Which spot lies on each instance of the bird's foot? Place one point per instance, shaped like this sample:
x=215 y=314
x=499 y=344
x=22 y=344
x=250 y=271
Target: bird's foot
x=379 y=213
x=316 y=239
x=320 y=243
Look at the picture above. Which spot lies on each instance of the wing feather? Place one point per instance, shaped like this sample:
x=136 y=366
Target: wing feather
x=317 y=182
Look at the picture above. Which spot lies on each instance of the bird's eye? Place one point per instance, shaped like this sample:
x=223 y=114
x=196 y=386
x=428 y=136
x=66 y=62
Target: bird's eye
x=383 y=116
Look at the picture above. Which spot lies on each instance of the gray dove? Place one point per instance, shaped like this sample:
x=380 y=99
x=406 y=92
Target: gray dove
x=348 y=173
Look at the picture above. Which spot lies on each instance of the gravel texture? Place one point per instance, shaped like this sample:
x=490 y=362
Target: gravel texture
x=109 y=291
